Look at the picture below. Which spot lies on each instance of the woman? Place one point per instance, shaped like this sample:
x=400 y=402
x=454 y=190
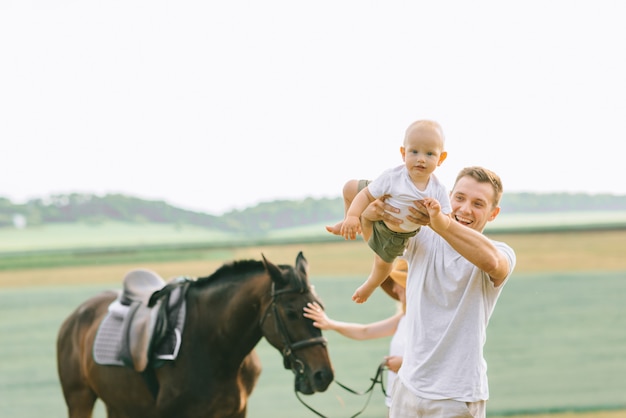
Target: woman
x=394 y=286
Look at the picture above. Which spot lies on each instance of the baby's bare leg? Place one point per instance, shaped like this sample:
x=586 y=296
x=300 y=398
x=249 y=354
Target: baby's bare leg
x=380 y=271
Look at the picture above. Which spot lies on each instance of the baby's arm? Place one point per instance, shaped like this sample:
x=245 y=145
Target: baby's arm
x=352 y=223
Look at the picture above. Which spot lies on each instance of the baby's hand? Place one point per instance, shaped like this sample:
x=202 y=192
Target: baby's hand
x=351 y=227
x=438 y=221
x=432 y=205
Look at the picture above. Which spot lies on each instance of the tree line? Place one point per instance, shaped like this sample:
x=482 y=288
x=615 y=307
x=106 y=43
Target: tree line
x=265 y=216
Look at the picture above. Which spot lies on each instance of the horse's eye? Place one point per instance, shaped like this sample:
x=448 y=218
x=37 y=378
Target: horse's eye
x=292 y=315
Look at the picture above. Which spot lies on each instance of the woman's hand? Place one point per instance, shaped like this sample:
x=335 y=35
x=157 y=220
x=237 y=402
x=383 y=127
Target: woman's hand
x=393 y=363
x=314 y=311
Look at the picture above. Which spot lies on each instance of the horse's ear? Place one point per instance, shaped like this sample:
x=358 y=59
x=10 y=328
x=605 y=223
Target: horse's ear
x=273 y=270
x=302 y=265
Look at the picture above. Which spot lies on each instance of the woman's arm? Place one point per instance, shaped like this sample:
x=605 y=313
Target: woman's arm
x=385 y=328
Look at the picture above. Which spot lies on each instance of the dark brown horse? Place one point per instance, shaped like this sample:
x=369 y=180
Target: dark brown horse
x=216 y=368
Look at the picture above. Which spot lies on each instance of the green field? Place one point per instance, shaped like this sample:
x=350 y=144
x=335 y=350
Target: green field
x=556 y=343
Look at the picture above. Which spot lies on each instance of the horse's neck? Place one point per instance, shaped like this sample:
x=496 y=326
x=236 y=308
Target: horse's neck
x=235 y=312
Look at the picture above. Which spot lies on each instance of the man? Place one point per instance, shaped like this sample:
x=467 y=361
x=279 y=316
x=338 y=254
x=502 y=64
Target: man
x=455 y=277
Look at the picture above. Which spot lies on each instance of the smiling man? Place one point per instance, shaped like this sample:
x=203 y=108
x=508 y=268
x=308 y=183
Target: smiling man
x=455 y=277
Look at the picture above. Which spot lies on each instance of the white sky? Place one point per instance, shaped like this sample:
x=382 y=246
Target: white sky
x=217 y=105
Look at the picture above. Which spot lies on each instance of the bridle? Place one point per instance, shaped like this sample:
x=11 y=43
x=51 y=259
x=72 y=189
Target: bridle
x=291 y=361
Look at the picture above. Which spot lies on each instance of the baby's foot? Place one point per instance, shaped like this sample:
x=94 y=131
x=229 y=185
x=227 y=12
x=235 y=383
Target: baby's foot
x=362 y=294
x=335 y=229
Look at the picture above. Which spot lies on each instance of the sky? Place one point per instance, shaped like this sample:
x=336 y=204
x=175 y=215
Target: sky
x=219 y=105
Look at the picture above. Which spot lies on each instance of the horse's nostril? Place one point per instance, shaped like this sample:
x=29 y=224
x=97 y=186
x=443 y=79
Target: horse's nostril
x=322 y=379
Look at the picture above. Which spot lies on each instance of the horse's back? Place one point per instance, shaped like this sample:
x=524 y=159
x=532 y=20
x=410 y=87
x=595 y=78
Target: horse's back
x=86 y=316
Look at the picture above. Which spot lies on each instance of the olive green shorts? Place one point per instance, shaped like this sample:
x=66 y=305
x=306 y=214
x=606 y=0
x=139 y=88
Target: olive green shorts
x=388 y=244
x=363 y=183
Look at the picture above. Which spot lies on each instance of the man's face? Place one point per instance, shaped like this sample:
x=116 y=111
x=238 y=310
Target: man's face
x=472 y=203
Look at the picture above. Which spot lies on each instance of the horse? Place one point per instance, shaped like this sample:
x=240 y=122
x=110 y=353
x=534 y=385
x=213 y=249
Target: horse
x=216 y=368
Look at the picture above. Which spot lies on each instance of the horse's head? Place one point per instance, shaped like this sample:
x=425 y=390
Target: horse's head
x=284 y=326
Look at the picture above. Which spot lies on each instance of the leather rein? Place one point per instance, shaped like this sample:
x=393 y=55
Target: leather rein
x=378 y=378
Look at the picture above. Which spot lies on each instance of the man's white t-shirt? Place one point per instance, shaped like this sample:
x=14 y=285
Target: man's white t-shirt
x=449 y=303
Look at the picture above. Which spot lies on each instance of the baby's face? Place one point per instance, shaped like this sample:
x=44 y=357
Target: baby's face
x=423 y=150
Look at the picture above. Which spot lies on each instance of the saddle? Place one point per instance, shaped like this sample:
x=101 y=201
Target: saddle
x=139 y=328
x=139 y=285
x=147 y=315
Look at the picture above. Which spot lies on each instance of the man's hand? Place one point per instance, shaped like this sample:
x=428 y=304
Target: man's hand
x=378 y=210
x=419 y=213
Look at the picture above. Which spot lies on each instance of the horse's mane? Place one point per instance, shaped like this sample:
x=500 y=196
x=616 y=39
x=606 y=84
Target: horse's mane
x=238 y=269
x=231 y=270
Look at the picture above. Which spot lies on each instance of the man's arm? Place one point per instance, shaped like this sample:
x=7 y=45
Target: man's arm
x=472 y=245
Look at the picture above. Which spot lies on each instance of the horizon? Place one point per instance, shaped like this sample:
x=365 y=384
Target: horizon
x=47 y=197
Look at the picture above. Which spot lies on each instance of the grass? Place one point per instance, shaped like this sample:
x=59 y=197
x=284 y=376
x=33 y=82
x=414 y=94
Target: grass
x=107 y=234
x=559 y=221
x=536 y=252
x=119 y=243
x=555 y=346
x=556 y=343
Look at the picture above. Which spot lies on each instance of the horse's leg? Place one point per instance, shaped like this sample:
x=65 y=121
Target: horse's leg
x=79 y=397
x=74 y=347
x=247 y=378
x=249 y=372
x=80 y=402
x=114 y=413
